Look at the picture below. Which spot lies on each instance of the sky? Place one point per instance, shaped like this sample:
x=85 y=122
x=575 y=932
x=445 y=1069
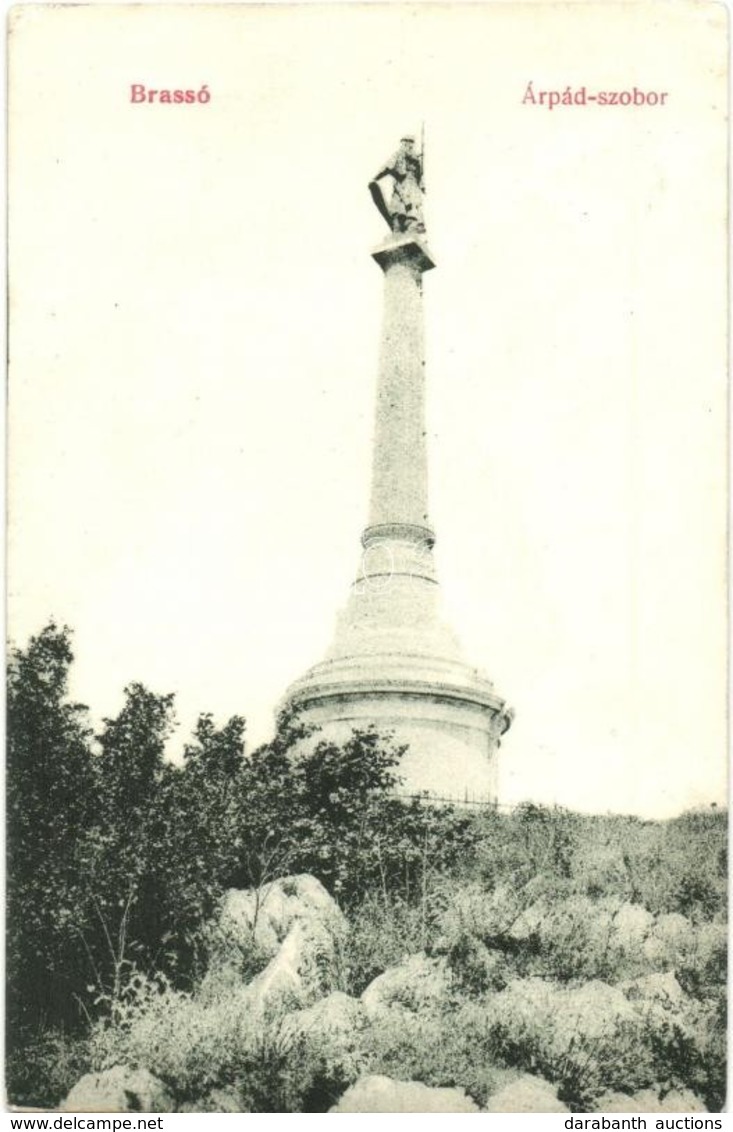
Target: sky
x=194 y=326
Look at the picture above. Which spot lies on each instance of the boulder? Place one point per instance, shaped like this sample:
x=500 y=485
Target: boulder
x=120 y=1089
x=531 y=920
x=481 y=911
x=331 y=1032
x=291 y=978
x=589 y=1037
x=218 y=1100
x=681 y=1100
x=649 y=1101
x=631 y=927
x=524 y=1000
x=336 y=1016
x=604 y=870
x=674 y=928
x=594 y=1010
x=295 y=924
x=413 y=986
x=526 y=1094
x=669 y=941
x=382 y=1094
x=575 y=930
x=268 y=913
x=560 y=1018
x=660 y=990
x=225 y=1016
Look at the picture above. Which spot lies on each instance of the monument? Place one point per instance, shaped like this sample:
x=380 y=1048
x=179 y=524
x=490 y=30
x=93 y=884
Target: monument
x=393 y=661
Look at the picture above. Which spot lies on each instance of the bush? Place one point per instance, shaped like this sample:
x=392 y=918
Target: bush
x=380 y=936
x=196 y=1045
x=225 y=950
x=43 y=1071
x=475 y=967
x=585 y=1039
x=446 y=1048
x=191 y=1046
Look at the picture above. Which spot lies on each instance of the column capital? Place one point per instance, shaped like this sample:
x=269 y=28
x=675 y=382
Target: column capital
x=405 y=247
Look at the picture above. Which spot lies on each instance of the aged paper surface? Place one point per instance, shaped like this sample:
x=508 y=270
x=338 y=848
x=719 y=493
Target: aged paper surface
x=194 y=327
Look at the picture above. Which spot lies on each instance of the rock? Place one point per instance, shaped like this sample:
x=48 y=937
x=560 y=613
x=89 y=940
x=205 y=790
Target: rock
x=292 y=921
x=671 y=938
x=649 y=1101
x=631 y=925
x=681 y=1100
x=576 y=926
x=333 y=1031
x=711 y=945
x=526 y=1094
x=582 y=1033
x=559 y=1017
x=119 y=1089
x=674 y=928
x=531 y=920
x=382 y=1094
x=482 y=911
x=267 y=914
x=290 y=980
x=218 y=1100
x=338 y=1016
x=659 y=990
x=605 y=870
x=414 y=986
x=593 y=1009
x=224 y=1100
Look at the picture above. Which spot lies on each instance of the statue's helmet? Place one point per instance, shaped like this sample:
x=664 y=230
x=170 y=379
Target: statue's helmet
x=408 y=138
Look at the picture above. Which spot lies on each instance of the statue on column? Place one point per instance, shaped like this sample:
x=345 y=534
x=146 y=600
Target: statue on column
x=404 y=212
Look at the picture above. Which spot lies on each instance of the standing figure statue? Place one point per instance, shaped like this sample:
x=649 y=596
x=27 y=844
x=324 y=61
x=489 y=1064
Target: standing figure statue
x=405 y=167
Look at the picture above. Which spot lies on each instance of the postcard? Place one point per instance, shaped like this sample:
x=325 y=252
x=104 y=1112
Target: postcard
x=367 y=558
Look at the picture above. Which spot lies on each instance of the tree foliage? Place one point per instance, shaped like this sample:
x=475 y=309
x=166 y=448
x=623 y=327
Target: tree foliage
x=117 y=856
x=51 y=801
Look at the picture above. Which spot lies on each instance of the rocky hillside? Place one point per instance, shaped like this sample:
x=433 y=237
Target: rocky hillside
x=275 y=930
x=477 y=1024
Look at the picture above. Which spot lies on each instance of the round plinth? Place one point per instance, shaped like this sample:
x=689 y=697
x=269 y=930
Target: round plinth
x=452 y=732
x=395 y=665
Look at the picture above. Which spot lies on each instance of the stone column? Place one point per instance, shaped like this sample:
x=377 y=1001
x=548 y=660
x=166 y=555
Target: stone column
x=400 y=465
x=399 y=538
